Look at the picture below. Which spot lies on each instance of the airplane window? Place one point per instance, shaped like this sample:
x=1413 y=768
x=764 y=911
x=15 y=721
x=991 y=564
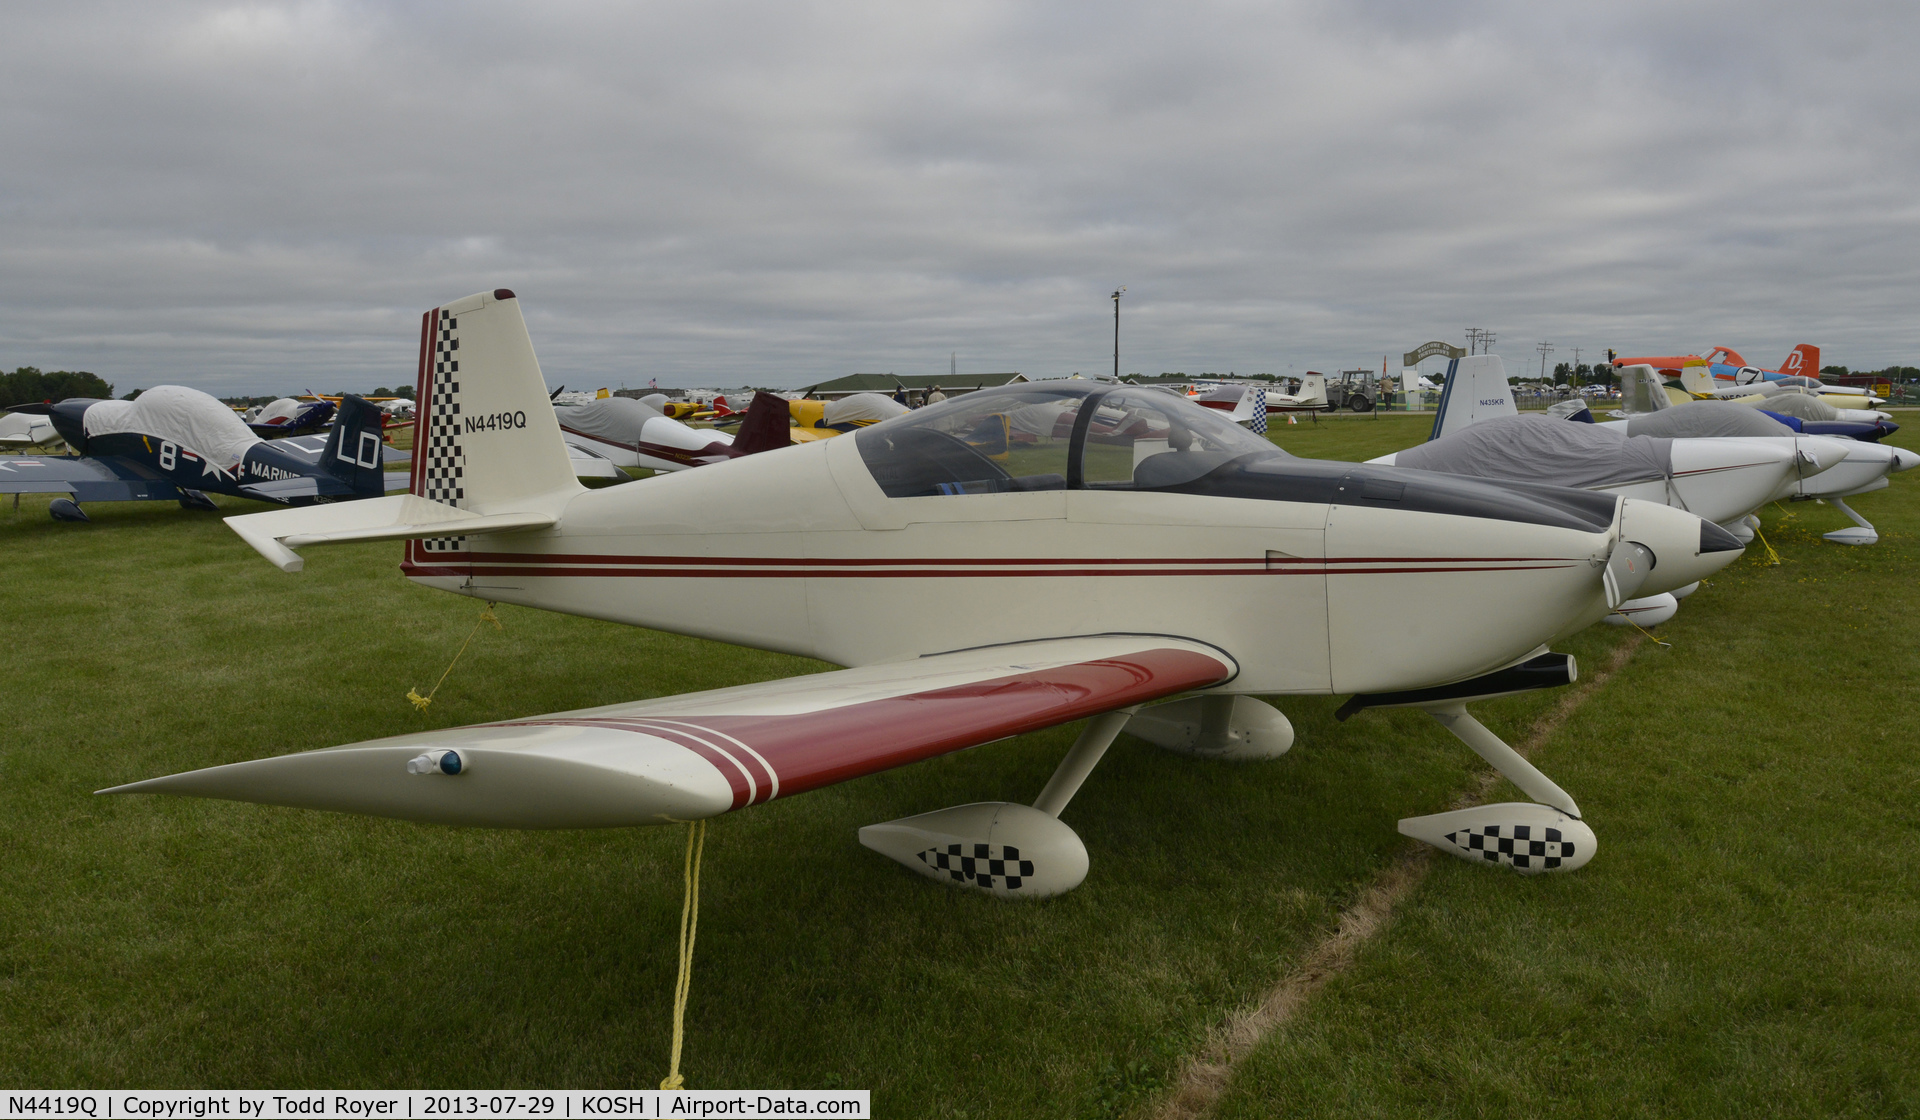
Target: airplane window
x=1027 y=437
x=1146 y=439
x=986 y=442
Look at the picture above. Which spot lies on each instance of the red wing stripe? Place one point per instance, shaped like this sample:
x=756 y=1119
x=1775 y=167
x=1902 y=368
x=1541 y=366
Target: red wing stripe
x=760 y=776
x=729 y=767
x=813 y=749
x=771 y=779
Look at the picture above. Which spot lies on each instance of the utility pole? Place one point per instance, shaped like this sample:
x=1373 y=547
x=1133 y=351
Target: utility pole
x=1116 y=331
x=1545 y=348
x=1576 y=361
x=1479 y=340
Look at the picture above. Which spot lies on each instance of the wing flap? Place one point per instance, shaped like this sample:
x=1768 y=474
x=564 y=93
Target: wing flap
x=705 y=753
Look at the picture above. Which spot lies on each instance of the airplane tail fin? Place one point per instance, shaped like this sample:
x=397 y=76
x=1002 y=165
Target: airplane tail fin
x=1804 y=361
x=487 y=458
x=768 y=426
x=353 y=451
x=1313 y=389
x=1476 y=390
x=488 y=440
x=1697 y=379
x=1642 y=391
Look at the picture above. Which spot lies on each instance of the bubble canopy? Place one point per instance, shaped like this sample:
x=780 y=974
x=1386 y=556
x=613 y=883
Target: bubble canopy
x=1070 y=435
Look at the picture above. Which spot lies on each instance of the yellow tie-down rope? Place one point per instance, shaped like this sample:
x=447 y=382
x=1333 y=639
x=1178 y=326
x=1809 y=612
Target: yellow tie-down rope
x=689 y=924
x=413 y=694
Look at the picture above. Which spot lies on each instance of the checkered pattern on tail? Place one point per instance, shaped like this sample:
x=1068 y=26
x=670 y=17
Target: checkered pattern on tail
x=980 y=865
x=442 y=475
x=1259 y=422
x=1524 y=846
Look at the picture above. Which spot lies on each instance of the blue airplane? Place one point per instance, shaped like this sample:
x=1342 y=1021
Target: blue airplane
x=287 y=416
x=179 y=444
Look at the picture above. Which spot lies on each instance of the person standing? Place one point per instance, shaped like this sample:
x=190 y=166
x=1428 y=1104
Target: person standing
x=935 y=396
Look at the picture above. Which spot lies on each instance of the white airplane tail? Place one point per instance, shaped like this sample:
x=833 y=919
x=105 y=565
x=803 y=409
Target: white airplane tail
x=1476 y=390
x=1642 y=391
x=488 y=456
x=1313 y=390
x=488 y=440
x=1698 y=380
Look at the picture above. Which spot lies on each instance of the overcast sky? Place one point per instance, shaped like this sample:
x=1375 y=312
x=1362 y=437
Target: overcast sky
x=264 y=197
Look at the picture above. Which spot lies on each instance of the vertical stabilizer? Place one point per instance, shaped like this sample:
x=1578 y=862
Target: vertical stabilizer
x=1476 y=390
x=1313 y=390
x=1642 y=391
x=1803 y=362
x=353 y=453
x=487 y=439
x=1695 y=378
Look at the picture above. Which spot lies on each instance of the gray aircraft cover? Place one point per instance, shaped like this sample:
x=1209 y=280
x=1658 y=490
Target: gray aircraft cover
x=615 y=420
x=1702 y=419
x=1537 y=449
x=1801 y=405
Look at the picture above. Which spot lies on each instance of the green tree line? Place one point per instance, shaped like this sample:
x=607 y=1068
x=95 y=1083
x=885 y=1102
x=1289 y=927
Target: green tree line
x=28 y=385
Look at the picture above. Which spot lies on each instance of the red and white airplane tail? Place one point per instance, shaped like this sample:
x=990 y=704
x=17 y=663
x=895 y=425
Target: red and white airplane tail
x=1804 y=361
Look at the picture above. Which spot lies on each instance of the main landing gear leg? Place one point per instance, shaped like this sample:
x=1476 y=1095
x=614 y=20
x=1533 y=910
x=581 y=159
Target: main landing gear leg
x=1545 y=835
x=1007 y=850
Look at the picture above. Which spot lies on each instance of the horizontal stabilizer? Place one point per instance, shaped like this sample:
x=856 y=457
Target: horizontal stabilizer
x=400 y=517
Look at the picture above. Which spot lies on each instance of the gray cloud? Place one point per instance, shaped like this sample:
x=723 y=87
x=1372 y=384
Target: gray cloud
x=264 y=196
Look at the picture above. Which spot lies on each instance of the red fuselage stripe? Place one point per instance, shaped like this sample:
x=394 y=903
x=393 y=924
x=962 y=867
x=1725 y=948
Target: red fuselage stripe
x=583 y=572
x=602 y=560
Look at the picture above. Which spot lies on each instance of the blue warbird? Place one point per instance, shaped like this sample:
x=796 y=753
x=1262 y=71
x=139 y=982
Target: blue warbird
x=173 y=443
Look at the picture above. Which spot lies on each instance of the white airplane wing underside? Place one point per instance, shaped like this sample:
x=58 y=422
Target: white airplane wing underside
x=706 y=753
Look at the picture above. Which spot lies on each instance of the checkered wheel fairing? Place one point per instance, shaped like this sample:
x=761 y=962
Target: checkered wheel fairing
x=1528 y=847
x=443 y=471
x=980 y=865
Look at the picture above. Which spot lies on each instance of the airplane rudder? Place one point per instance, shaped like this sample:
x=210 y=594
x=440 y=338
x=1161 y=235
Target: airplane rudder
x=353 y=452
x=1802 y=361
x=486 y=434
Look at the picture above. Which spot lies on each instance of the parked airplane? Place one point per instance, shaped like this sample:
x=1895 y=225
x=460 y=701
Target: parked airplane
x=1801 y=369
x=973 y=598
x=180 y=444
x=20 y=429
x=1724 y=462
x=290 y=417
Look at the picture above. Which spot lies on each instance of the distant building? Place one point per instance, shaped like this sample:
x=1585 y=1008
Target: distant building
x=887 y=383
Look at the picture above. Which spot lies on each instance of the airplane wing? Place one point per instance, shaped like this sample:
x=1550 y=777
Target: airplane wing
x=706 y=753
x=87 y=480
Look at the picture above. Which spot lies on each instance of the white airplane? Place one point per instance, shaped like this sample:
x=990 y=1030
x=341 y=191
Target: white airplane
x=1312 y=396
x=1477 y=432
x=1865 y=467
x=19 y=429
x=634 y=433
x=973 y=596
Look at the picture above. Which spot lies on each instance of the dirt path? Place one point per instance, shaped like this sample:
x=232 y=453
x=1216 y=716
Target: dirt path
x=1202 y=1080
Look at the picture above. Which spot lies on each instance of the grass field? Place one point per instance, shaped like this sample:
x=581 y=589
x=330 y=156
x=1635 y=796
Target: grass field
x=1745 y=941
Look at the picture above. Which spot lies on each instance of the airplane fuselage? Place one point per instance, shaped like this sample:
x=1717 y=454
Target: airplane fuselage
x=1318 y=577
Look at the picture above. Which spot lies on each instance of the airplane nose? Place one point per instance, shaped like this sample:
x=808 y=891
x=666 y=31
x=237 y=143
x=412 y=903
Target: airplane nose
x=1685 y=547
x=1904 y=460
x=1715 y=539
